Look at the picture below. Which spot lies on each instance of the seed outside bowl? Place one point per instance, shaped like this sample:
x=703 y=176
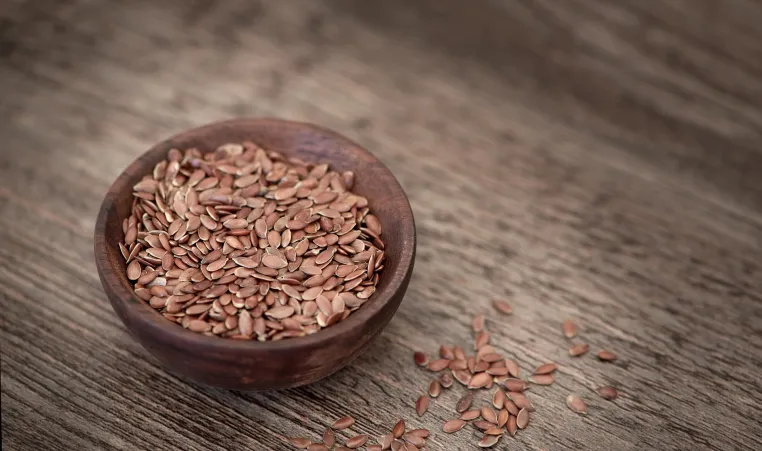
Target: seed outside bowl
x=250 y=364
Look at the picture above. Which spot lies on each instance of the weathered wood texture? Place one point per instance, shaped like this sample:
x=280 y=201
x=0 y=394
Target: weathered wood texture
x=589 y=159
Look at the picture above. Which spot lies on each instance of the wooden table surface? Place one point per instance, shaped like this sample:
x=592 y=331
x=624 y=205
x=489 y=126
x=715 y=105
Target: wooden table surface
x=583 y=159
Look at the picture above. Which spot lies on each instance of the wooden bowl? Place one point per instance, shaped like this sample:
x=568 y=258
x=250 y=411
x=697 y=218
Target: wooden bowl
x=254 y=365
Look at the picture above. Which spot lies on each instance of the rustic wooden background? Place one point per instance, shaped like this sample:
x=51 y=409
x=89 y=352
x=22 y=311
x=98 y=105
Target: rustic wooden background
x=589 y=159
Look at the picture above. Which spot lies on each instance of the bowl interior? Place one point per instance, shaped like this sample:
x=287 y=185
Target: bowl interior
x=313 y=144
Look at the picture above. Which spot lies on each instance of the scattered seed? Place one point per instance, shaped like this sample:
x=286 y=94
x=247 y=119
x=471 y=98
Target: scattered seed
x=606 y=356
x=542 y=379
x=488 y=414
x=495 y=431
x=502 y=417
x=483 y=425
x=608 y=392
x=479 y=380
x=502 y=307
x=414 y=439
x=329 y=439
x=569 y=328
x=515 y=385
x=356 y=441
x=438 y=365
x=399 y=429
x=511 y=407
x=421 y=405
x=578 y=349
x=513 y=367
x=445 y=380
x=488 y=441
x=453 y=426
x=386 y=441
x=522 y=419
x=464 y=403
x=512 y=426
x=435 y=388
x=498 y=399
x=343 y=423
x=546 y=368
x=469 y=415
x=521 y=401
x=317 y=447
x=420 y=359
x=576 y=404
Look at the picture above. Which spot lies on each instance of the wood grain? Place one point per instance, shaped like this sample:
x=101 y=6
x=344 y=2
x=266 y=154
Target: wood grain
x=583 y=159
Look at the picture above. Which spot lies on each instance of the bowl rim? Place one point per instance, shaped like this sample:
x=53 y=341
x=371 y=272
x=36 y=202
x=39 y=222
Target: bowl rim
x=162 y=329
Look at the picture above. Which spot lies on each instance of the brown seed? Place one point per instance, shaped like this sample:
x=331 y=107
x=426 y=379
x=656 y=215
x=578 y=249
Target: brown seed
x=469 y=415
x=386 y=441
x=414 y=439
x=608 y=392
x=511 y=407
x=464 y=403
x=479 y=380
x=513 y=367
x=446 y=353
x=420 y=359
x=438 y=365
x=576 y=404
x=488 y=441
x=522 y=419
x=578 y=349
x=301 y=443
x=421 y=405
x=512 y=426
x=398 y=429
x=606 y=356
x=133 y=270
x=542 y=379
x=502 y=417
x=462 y=376
x=329 y=439
x=515 y=385
x=488 y=414
x=546 y=368
x=495 y=431
x=343 y=423
x=356 y=441
x=435 y=388
x=498 y=399
x=446 y=380
x=569 y=328
x=502 y=307
x=483 y=425
x=453 y=426
x=521 y=401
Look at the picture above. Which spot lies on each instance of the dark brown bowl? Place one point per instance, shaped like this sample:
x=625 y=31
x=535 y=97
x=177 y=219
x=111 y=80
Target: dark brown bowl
x=253 y=365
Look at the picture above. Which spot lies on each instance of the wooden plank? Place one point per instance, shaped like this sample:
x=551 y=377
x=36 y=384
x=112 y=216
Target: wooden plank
x=583 y=159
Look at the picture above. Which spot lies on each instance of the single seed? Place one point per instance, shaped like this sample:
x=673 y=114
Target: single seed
x=569 y=328
x=329 y=439
x=608 y=392
x=578 y=349
x=386 y=441
x=356 y=441
x=420 y=359
x=522 y=419
x=606 y=356
x=502 y=417
x=469 y=415
x=343 y=423
x=488 y=414
x=483 y=425
x=546 y=368
x=488 y=441
x=398 y=429
x=438 y=365
x=414 y=439
x=495 y=431
x=453 y=426
x=502 y=307
x=515 y=385
x=446 y=380
x=576 y=404
x=542 y=379
x=512 y=426
x=435 y=388
x=498 y=399
x=513 y=367
x=446 y=353
x=479 y=380
x=423 y=433
x=421 y=405
x=464 y=403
